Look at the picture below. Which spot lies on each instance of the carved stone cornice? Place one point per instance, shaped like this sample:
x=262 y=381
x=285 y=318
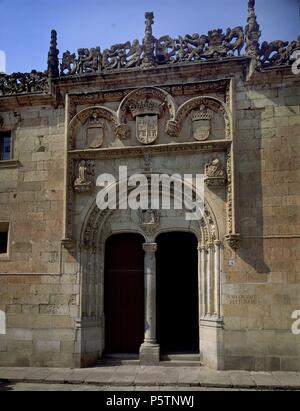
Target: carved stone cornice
x=10 y=164
x=139 y=151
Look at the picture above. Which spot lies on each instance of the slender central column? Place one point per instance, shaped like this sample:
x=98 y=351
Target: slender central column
x=150 y=292
x=149 y=352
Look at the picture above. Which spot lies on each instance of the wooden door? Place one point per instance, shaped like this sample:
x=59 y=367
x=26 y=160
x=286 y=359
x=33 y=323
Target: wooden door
x=177 y=293
x=124 y=294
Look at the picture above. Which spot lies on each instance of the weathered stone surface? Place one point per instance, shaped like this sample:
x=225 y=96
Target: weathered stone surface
x=243 y=134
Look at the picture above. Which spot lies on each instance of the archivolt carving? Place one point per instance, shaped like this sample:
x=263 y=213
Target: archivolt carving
x=96 y=219
x=146 y=93
x=211 y=103
x=82 y=117
x=137 y=98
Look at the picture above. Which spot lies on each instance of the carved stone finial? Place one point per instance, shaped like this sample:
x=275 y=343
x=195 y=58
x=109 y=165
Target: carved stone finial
x=252 y=32
x=148 y=42
x=53 y=63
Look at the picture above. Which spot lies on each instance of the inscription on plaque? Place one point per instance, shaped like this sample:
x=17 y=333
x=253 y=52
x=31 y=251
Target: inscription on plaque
x=242 y=299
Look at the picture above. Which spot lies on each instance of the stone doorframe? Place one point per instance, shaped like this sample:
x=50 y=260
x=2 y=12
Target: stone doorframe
x=97 y=228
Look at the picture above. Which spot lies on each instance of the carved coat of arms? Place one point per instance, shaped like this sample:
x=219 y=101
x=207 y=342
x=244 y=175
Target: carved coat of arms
x=146 y=112
x=147 y=129
x=95 y=132
x=201 y=127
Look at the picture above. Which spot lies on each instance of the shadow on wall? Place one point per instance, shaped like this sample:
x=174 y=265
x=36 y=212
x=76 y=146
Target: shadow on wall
x=254 y=187
x=5 y=386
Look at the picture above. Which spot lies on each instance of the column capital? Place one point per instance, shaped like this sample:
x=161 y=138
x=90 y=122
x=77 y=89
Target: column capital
x=150 y=247
x=209 y=246
x=217 y=242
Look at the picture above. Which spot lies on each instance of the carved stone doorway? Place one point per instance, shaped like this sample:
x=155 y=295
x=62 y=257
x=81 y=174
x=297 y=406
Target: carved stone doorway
x=177 y=293
x=124 y=294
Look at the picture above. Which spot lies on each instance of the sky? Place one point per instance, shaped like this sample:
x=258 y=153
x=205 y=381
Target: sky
x=26 y=24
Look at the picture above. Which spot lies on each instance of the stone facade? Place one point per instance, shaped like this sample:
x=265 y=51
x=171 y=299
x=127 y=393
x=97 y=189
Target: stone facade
x=234 y=118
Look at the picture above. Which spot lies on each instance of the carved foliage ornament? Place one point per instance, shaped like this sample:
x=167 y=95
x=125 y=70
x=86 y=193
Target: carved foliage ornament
x=23 y=83
x=277 y=53
x=153 y=52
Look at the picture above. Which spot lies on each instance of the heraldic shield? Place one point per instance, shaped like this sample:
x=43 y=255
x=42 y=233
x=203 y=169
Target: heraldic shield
x=201 y=124
x=95 y=136
x=147 y=129
x=201 y=130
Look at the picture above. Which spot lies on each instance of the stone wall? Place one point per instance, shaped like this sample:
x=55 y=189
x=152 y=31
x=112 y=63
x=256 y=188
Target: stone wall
x=40 y=282
x=261 y=292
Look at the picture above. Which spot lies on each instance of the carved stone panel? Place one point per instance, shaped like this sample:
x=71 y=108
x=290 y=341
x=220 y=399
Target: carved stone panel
x=85 y=174
x=202 y=126
x=95 y=131
x=215 y=175
x=147 y=129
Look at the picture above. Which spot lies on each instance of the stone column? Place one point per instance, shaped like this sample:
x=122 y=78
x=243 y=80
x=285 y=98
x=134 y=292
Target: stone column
x=201 y=256
x=209 y=274
x=149 y=351
x=217 y=278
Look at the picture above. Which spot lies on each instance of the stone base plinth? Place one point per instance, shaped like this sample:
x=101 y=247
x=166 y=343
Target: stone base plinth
x=149 y=354
x=211 y=342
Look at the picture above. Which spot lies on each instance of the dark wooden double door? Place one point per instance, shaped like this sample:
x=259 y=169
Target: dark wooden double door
x=177 y=293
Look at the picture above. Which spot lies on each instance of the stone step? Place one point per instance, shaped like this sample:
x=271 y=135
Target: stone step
x=171 y=360
x=181 y=360
x=181 y=357
x=120 y=359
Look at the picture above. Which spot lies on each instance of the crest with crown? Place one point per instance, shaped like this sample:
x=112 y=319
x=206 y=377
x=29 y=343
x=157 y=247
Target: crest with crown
x=202 y=114
x=95 y=120
x=146 y=107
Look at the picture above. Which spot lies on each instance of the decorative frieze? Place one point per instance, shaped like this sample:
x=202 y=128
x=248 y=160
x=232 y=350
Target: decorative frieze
x=152 y=52
x=24 y=83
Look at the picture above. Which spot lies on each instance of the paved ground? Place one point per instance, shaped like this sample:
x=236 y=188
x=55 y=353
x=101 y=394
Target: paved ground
x=112 y=378
x=86 y=387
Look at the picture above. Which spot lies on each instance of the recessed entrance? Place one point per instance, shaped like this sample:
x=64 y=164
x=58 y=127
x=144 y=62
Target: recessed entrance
x=124 y=294
x=177 y=293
